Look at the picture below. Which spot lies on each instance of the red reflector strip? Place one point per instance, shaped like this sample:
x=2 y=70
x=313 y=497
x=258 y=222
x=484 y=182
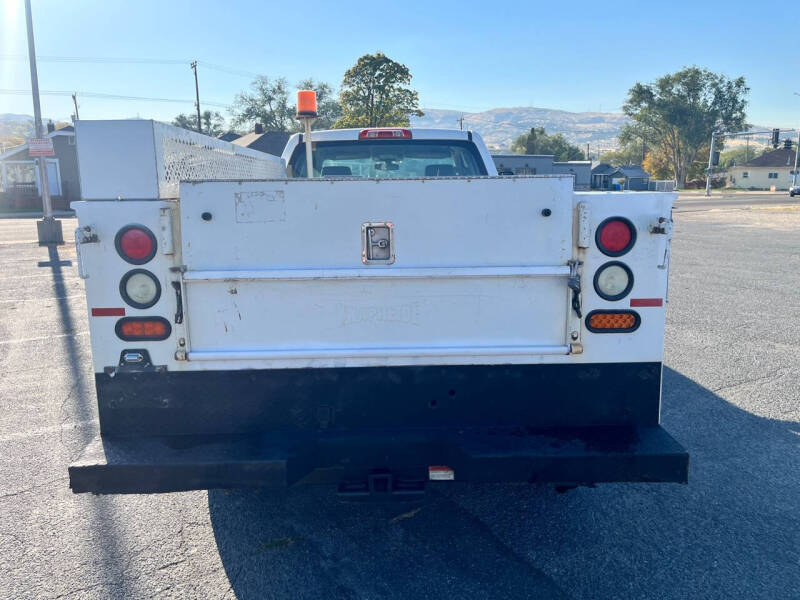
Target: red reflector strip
x=108 y=312
x=647 y=302
x=441 y=473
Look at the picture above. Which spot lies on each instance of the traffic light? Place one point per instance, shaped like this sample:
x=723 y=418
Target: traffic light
x=715 y=160
x=776 y=134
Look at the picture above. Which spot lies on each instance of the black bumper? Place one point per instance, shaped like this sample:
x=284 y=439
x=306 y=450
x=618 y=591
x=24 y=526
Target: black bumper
x=402 y=459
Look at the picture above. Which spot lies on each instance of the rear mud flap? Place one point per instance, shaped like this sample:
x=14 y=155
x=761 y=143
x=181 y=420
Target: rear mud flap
x=181 y=463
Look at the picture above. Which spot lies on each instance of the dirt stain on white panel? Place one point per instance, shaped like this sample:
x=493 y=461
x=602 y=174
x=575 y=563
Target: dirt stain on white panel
x=260 y=207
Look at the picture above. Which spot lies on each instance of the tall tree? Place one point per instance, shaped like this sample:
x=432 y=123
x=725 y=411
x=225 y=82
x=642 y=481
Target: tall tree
x=628 y=154
x=212 y=122
x=328 y=107
x=539 y=142
x=375 y=94
x=267 y=103
x=741 y=154
x=679 y=111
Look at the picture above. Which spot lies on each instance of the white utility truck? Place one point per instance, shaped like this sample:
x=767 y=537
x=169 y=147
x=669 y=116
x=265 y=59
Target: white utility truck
x=402 y=315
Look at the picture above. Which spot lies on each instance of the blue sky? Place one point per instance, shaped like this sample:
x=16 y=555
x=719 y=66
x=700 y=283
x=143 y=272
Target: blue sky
x=471 y=56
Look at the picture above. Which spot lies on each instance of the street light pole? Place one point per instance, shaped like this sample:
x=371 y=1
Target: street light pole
x=710 y=163
x=796 y=152
x=48 y=228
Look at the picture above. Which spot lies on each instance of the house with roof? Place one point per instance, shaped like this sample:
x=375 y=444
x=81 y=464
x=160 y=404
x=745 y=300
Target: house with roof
x=770 y=170
x=271 y=142
x=543 y=164
x=20 y=187
x=626 y=177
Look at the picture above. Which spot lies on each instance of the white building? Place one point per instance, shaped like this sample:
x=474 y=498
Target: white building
x=763 y=172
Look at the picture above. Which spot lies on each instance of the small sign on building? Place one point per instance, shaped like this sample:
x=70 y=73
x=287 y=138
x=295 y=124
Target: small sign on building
x=40 y=147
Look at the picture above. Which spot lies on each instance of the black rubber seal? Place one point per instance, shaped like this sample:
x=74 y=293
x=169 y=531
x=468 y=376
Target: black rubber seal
x=135 y=261
x=636 y=323
x=130 y=300
x=626 y=249
x=624 y=292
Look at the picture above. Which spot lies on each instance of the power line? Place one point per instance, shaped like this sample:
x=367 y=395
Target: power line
x=108 y=96
x=96 y=59
x=131 y=61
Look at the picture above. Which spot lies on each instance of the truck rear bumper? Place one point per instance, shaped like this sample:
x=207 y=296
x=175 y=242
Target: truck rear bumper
x=401 y=458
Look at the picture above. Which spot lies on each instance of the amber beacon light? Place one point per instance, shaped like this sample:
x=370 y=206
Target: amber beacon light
x=306 y=104
x=307 y=112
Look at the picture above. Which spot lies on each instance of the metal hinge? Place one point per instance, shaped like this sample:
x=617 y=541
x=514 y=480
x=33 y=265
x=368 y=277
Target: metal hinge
x=165 y=229
x=574 y=283
x=84 y=235
x=663 y=227
x=584 y=227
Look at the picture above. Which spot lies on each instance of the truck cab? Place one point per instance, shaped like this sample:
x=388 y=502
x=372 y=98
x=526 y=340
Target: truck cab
x=402 y=315
x=391 y=153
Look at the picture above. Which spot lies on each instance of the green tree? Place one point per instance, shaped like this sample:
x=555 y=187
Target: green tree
x=212 y=122
x=375 y=94
x=678 y=112
x=740 y=154
x=629 y=154
x=539 y=142
x=267 y=103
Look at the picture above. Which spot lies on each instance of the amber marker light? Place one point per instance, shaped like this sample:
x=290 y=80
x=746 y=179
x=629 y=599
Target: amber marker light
x=612 y=321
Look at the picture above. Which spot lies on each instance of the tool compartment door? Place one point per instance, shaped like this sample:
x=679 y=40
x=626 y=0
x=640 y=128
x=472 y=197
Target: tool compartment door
x=301 y=270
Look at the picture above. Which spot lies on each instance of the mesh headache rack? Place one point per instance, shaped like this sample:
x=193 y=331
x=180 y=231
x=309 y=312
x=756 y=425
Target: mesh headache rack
x=146 y=160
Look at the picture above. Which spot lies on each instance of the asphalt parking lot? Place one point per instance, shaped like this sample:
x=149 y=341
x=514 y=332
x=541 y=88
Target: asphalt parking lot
x=730 y=396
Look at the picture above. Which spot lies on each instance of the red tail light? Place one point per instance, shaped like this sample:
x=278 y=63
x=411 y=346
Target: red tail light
x=384 y=134
x=615 y=236
x=140 y=329
x=136 y=244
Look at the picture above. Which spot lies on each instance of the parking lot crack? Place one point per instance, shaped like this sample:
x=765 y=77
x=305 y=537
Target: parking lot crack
x=771 y=375
x=31 y=488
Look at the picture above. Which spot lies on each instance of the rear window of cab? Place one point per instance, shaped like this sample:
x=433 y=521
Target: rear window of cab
x=390 y=159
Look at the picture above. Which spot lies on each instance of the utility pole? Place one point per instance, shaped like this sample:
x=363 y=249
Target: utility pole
x=710 y=163
x=197 y=96
x=461 y=122
x=75 y=102
x=587 y=151
x=48 y=228
x=796 y=152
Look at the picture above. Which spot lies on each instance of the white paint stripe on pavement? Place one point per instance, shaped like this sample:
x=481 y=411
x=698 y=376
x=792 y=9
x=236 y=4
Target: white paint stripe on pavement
x=44 y=337
x=43 y=298
x=45 y=430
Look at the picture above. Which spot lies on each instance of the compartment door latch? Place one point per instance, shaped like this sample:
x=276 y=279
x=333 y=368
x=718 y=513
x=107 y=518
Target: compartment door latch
x=377 y=243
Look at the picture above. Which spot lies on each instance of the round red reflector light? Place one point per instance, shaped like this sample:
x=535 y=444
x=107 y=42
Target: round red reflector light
x=615 y=236
x=136 y=244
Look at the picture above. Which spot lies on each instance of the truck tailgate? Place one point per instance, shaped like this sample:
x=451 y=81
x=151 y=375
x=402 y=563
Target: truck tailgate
x=277 y=269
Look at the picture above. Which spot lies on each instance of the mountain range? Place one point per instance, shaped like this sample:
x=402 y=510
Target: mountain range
x=500 y=126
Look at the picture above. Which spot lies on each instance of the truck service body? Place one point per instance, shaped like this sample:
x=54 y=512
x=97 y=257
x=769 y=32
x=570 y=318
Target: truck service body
x=403 y=315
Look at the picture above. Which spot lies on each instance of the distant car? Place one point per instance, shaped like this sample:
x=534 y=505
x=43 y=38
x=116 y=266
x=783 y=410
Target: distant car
x=794 y=190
